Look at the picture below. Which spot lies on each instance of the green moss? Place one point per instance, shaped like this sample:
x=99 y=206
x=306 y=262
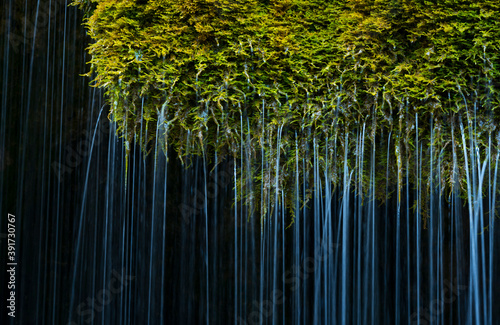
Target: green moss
x=222 y=74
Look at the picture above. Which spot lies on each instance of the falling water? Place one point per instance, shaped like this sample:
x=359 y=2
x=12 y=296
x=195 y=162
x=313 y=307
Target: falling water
x=109 y=237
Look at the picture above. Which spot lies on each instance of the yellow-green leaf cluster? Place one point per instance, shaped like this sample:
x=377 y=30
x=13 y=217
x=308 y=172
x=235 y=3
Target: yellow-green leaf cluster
x=227 y=74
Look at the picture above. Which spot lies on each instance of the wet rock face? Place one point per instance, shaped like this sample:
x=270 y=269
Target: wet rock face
x=225 y=75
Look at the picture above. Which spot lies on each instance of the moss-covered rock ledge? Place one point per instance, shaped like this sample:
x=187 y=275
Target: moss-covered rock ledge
x=244 y=76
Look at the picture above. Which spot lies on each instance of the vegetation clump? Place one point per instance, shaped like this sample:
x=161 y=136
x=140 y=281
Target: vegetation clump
x=412 y=83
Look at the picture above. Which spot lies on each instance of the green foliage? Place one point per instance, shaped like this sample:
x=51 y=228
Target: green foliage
x=225 y=75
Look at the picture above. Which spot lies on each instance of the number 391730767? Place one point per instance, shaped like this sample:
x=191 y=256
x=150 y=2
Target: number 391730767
x=11 y=237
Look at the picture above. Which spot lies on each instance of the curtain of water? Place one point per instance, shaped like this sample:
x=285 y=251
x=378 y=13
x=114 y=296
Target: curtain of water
x=150 y=240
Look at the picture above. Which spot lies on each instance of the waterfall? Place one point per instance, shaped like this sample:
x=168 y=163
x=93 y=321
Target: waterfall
x=353 y=225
